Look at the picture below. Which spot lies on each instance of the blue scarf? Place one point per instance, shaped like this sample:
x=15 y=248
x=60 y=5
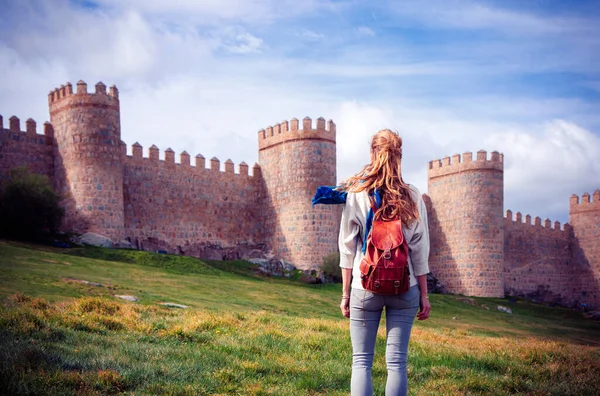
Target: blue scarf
x=329 y=195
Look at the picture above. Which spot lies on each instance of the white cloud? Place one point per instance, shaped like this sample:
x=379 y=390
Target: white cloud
x=181 y=87
x=215 y=12
x=467 y=14
x=310 y=34
x=546 y=164
x=238 y=41
x=364 y=31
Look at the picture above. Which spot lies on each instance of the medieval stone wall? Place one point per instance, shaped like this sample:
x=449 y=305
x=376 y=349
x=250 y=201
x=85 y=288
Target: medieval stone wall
x=26 y=148
x=160 y=204
x=189 y=209
x=584 y=217
x=467 y=240
x=88 y=164
x=476 y=251
x=294 y=162
x=538 y=260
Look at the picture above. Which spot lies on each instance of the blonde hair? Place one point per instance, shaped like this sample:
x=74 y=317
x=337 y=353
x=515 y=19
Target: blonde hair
x=384 y=173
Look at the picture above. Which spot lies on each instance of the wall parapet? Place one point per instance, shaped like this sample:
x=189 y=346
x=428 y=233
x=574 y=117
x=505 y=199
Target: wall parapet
x=587 y=203
x=14 y=127
x=465 y=162
x=291 y=131
x=137 y=154
x=517 y=220
x=64 y=96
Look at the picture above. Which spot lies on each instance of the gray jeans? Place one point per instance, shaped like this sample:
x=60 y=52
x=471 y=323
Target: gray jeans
x=365 y=313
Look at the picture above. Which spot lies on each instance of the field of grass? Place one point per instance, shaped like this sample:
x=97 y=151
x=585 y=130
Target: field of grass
x=244 y=334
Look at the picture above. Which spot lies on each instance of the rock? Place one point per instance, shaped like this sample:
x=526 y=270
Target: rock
x=55 y=262
x=595 y=315
x=485 y=307
x=255 y=254
x=288 y=267
x=272 y=267
x=124 y=244
x=504 y=309
x=84 y=282
x=434 y=285
x=128 y=298
x=321 y=277
x=454 y=318
x=94 y=239
x=467 y=301
x=259 y=261
x=173 y=305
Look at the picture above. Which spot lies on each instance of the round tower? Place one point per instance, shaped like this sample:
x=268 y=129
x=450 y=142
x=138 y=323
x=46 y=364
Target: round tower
x=294 y=161
x=89 y=160
x=584 y=218
x=466 y=223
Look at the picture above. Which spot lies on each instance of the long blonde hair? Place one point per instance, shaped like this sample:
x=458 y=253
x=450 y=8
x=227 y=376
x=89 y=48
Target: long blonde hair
x=384 y=173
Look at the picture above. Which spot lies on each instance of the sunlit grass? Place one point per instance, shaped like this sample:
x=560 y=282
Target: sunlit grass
x=247 y=335
x=93 y=344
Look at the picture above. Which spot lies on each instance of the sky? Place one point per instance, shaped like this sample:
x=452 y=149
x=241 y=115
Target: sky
x=519 y=77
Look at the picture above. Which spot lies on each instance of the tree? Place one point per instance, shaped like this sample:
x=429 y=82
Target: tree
x=331 y=267
x=29 y=206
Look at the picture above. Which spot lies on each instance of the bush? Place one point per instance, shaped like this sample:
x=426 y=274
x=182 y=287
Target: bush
x=331 y=267
x=29 y=207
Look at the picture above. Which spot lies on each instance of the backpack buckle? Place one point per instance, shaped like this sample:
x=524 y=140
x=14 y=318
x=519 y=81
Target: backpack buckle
x=387 y=254
x=396 y=284
x=376 y=284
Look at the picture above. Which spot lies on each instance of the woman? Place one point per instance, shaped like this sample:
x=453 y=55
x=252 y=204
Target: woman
x=383 y=176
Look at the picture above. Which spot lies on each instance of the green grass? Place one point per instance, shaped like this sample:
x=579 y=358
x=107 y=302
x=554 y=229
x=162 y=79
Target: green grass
x=250 y=335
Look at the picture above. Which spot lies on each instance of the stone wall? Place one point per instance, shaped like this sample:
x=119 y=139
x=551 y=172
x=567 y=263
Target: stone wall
x=465 y=206
x=158 y=204
x=294 y=162
x=538 y=260
x=26 y=148
x=88 y=167
x=584 y=217
x=191 y=210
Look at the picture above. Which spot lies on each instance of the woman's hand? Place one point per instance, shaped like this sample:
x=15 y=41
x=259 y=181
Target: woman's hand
x=345 y=306
x=424 y=308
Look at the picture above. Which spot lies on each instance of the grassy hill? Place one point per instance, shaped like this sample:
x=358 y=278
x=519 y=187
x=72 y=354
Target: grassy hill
x=244 y=334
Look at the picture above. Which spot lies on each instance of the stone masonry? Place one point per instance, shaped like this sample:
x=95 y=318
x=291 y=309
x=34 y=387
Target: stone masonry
x=202 y=210
x=198 y=209
x=294 y=162
x=479 y=251
x=466 y=220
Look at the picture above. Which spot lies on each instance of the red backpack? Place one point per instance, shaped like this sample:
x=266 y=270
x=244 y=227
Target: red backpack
x=384 y=269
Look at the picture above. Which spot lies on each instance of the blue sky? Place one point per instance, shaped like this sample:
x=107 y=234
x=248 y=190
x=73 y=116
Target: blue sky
x=520 y=77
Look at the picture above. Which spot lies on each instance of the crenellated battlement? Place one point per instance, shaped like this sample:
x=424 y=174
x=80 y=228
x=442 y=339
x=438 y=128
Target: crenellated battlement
x=160 y=199
x=14 y=127
x=137 y=151
x=587 y=203
x=465 y=162
x=66 y=96
x=291 y=131
x=518 y=220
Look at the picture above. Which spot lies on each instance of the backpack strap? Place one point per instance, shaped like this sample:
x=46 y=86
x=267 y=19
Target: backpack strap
x=375 y=200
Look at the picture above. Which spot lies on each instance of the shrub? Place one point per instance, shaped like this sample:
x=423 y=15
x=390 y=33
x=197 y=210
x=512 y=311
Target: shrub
x=29 y=207
x=331 y=267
